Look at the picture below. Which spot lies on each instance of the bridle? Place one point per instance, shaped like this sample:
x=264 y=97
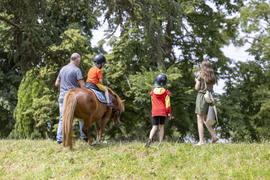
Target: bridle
x=114 y=112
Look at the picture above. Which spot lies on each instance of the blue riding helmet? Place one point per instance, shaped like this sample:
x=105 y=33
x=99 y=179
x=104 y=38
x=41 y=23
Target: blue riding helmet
x=99 y=59
x=161 y=80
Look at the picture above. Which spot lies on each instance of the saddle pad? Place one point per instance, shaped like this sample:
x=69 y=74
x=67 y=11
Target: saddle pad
x=100 y=96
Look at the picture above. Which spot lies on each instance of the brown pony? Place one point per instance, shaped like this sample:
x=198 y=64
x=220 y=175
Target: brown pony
x=85 y=106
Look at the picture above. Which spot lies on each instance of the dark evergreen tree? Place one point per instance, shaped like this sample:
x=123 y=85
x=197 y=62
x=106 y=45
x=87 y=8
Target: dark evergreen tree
x=34 y=26
x=30 y=36
x=9 y=84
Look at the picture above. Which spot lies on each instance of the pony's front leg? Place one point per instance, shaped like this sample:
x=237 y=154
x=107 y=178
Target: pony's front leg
x=103 y=124
x=85 y=131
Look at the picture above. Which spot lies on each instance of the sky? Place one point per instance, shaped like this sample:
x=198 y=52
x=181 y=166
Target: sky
x=236 y=53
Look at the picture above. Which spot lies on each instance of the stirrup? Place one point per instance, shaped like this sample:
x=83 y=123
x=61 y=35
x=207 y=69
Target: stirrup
x=110 y=104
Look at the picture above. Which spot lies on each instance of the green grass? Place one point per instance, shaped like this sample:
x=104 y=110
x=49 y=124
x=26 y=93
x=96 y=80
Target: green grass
x=41 y=159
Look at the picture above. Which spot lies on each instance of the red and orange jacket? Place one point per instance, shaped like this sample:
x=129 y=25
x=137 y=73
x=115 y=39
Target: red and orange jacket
x=161 y=105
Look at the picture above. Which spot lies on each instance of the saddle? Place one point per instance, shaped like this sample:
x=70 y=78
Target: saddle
x=100 y=94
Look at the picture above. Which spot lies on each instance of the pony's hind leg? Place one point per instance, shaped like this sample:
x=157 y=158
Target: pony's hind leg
x=98 y=132
x=85 y=131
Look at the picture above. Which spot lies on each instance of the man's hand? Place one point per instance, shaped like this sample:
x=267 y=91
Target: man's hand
x=81 y=82
x=170 y=118
x=57 y=82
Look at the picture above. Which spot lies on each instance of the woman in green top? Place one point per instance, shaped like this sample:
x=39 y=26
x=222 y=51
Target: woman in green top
x=206 y=75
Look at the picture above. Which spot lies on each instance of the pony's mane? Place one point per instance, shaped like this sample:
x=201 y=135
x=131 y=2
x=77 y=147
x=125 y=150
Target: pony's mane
x=120 y=104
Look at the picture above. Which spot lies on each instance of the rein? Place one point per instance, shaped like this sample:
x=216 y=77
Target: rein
x=114 y=112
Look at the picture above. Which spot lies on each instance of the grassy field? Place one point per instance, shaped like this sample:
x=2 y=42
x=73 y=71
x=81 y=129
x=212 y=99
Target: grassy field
x=41 y=159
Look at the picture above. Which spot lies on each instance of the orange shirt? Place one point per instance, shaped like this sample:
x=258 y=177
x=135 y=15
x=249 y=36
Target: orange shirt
x=94 y=74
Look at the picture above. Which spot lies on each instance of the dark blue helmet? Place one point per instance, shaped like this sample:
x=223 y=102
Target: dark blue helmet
x=99 y=59
x=161 y=79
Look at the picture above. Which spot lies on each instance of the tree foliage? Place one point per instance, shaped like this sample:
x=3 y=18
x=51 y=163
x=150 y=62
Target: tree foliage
x=37 y=111
x=151 y=35
x=9 y=83
x=30 y=31
x=245 y=105
x=255 y=24
x=238 y=107
x=168 y=36
x=36 y=25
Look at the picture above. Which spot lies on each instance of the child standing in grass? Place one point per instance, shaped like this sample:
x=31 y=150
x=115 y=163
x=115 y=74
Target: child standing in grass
x=205 y=80
x=160 y=107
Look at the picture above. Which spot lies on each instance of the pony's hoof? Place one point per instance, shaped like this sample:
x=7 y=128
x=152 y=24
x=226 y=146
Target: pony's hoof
x=93 y=144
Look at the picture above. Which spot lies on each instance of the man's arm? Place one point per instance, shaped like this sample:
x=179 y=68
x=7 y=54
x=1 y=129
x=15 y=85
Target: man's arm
x=57 y=82
x=81 y=82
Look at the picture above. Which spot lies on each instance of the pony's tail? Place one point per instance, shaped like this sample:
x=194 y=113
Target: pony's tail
x=69 y=106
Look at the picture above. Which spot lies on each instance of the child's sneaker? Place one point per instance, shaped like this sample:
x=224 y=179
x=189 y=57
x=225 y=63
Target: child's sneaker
x=110 y=104
x=148 y=142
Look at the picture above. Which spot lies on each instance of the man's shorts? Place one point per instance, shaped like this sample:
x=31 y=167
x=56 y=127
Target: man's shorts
x=156 y=120
x=100 y=86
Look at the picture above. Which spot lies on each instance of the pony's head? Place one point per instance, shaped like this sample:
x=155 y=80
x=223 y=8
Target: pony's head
x=117 y=109
x=116 y=112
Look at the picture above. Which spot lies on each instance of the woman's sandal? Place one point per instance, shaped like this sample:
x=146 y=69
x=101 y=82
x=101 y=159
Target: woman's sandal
x=199 y=144
x=213 y=141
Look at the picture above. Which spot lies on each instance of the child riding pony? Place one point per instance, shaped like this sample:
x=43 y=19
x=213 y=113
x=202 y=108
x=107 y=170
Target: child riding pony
x=85 y=106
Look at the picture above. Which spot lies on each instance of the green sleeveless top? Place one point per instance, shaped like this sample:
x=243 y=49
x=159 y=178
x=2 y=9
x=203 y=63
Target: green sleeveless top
x=202 y=86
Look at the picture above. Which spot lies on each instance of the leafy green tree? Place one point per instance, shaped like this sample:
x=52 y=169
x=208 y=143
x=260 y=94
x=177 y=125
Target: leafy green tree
x=37 y=111
x=154 y=30
x=245 y=105
x=239 y=106
x=151 y=34
x=255 y=25
x=31 y=92
x=9 y=84
x=36 y=25
x=28 y=29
